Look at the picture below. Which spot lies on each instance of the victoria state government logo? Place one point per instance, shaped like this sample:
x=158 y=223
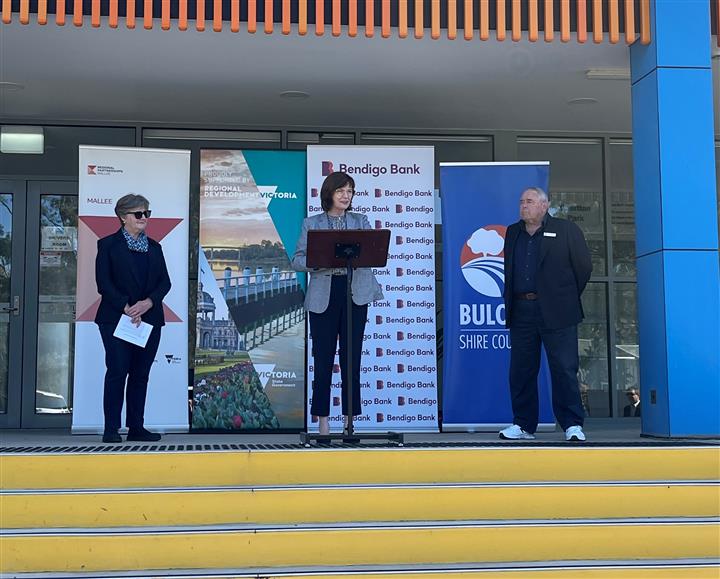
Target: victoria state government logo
x=482 y=259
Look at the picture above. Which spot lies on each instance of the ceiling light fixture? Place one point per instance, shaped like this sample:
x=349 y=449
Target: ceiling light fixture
x=582 y=101
x=11 y=86
x=294 y=95
x=607 y=74
x=22 y=139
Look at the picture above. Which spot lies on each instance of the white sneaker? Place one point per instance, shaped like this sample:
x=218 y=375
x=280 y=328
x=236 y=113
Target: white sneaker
x=575 y=434
x=514 y=432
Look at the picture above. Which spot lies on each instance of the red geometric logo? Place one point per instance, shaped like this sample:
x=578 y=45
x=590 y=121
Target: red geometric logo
x=327 y=168
x=157 y=229
x=91 y=169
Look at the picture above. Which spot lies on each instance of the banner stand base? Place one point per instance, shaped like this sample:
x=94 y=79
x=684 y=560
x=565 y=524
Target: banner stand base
x=354 y=438
x=485 y=427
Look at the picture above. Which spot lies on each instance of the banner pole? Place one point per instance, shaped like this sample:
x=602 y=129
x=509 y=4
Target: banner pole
x=349 y=360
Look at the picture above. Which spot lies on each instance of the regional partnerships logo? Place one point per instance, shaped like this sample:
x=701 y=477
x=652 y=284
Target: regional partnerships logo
x=481 y=260
x=103 y=170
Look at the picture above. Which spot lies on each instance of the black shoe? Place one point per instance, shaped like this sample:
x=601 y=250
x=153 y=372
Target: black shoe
x=111 y=436
x=142 y=435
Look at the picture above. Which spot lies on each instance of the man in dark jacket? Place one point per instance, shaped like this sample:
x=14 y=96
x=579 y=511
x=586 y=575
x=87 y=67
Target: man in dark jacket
x=547 y=266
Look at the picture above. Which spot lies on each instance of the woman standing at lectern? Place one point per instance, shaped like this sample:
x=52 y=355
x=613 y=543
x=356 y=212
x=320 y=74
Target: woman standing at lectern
x=326 y=300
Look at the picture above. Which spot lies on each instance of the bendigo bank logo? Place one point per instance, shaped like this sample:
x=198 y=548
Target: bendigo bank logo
x=327 y=168
x=482 y=259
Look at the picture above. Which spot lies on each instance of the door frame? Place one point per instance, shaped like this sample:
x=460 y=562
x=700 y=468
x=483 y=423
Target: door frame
x=18 y=190
x=36 y=188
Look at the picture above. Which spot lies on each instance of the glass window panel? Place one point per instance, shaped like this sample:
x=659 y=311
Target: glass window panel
x=576 y=186
x=5 y=267
x=300 y=141
x=592 y=342
x=195 y=140
x=627 y=350
x=622 y=208
x=623 y=231
x=239 y=138
x=621 y=165
x=56 y=303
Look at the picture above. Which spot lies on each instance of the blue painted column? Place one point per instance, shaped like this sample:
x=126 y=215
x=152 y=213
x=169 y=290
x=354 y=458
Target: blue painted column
x=676 y=219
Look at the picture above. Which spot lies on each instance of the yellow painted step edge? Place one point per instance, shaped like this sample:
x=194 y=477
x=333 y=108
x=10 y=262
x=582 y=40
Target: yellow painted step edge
x=309 y=505
x=366 y=546
x=693 y=572
x=254 y=468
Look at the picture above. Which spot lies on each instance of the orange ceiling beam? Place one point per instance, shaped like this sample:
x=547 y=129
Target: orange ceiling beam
x=599 y=18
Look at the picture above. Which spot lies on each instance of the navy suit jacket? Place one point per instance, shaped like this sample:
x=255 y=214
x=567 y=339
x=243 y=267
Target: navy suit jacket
x=119 y=281
x=563 y=270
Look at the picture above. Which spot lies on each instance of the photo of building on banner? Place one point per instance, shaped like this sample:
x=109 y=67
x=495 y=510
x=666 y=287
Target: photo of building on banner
x=479 y=201
x=250 y=333
x=394 y=188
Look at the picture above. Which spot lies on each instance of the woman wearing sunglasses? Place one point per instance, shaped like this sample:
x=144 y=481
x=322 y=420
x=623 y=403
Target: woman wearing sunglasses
x=132 y=279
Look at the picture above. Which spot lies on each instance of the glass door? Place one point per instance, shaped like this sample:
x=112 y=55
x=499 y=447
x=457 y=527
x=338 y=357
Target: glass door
x=12 y=258
x=49 y=325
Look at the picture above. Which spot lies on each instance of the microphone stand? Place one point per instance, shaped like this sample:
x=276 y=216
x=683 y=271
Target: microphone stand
x=348 y=252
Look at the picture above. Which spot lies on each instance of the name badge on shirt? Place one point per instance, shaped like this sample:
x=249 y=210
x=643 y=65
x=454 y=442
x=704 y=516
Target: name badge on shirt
x=549 y=234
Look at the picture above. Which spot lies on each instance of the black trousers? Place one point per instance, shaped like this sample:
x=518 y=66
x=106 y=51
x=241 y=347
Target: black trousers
x=527 y=333
x=126 y=362
x=325 y=328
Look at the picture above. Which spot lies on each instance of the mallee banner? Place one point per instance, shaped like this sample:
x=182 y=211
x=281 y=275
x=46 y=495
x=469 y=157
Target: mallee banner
x=163 y=177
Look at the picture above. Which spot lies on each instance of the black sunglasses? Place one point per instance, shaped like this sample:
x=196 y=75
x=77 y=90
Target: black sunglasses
x=140 y=214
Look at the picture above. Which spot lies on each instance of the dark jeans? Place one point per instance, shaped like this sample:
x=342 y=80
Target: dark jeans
x=126 y=362
x=527 y=334
x=325 y=329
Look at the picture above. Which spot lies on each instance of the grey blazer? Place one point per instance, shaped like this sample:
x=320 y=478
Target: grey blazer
x=365 y=286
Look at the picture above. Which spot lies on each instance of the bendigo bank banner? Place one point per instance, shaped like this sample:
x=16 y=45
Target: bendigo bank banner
x=395 y=189
x=163 y=177
x=250 y=333
x=479 y=201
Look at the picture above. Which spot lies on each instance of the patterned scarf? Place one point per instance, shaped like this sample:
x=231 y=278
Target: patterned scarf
x=140 y=244
x=339 y=222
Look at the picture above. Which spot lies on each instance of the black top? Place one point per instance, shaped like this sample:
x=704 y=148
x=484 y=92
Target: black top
x=525 y=260
x=125 y=277
x=562 y=272
x=141 y=259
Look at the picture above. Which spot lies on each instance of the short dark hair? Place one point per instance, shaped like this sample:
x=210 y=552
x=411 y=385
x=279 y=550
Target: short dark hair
x=332 y=182
x=128 y=202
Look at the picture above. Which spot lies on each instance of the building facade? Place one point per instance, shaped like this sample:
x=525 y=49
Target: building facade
x=594 y=176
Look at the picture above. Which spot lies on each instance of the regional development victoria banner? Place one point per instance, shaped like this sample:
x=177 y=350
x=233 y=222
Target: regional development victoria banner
x=395 y=189
x=250 y=338
x=479 y=201
x=163 y=177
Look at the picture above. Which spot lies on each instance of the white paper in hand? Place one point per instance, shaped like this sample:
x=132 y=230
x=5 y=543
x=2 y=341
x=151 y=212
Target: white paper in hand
x=129 y=332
